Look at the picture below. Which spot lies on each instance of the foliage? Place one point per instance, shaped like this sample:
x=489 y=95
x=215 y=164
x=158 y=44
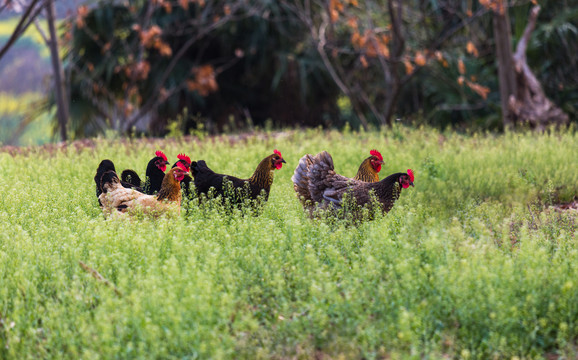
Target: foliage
x=16 y=126
x=471 y=263
x=221 y=59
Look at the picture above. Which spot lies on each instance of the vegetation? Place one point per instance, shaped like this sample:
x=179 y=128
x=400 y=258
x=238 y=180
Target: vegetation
x=15 y=129
x=22 y=72
x=471 y=263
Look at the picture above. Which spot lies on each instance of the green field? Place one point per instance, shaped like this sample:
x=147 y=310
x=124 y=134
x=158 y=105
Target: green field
x=472 y=263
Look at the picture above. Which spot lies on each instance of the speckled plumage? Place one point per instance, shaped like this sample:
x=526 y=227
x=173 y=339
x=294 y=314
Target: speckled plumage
x=318 y=186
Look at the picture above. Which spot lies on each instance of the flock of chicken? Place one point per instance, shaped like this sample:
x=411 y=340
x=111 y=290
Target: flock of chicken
x=314 y=180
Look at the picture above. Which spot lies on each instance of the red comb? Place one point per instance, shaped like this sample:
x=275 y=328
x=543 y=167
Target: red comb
x=184 y=158
x=182 y=166
x=277 y=152
x=410 y=173
x=377 y=154
x=161 y=154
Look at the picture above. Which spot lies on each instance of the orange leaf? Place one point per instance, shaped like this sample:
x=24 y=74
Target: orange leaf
x=481 y=90
x=363 y=61
x=408 y=67
x=461 y=80
x=461 y=66
x=335 y=7
x=356 y=40
x=164 y=49
x=352 y=22
x=420 y=59
x=205 y=80
x=471 y=49
x=141 y=70
x=334 y=15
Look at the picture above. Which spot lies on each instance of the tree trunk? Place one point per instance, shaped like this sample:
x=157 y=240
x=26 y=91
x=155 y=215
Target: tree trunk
x=506 y=74
x=529 y=104
x=522 y=97
x=61 y=98
x=397 y=47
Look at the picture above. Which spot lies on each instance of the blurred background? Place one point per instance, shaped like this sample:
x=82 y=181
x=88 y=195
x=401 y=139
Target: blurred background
x=180 y=67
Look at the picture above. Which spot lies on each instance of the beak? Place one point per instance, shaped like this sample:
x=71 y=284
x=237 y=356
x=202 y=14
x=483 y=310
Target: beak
x=283 y=161
x=411 y=183
x=167 y=163
x=382 y=162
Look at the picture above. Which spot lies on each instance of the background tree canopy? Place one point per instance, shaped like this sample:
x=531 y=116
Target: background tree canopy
x=138 y=66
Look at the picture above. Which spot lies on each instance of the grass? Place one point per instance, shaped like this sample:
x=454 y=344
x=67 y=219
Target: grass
x=471 y=263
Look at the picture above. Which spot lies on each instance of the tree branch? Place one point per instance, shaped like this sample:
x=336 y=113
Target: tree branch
x=41 y=32
x=520 y=54
x=99 y=277
x=154 y=101
x=22 y=25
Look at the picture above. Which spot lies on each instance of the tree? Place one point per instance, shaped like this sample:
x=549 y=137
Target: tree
x=30 y=13
x=522 y=97
x=59 y=86
x=373 y=49
x=136 y=65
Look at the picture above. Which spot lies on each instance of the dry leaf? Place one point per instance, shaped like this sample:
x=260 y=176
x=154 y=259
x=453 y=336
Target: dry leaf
x=408 y=67
x=363 y=61
x=461 y=66
x=471 y=49
x=420 y=59
x=481 y=90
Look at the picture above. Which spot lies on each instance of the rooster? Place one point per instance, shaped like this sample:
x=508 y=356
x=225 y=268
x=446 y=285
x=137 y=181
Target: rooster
x=155 y=173
x=116 y=198
x=186 y=182
x=370 y=167
x=258 y=184
x=318 y=186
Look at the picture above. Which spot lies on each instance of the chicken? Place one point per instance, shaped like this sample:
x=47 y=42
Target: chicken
x=258 y=184
x=318 y=186
x=104 y=166
x=370 y=167
x=186 y=182
x=117 y=199
x=155 y=173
